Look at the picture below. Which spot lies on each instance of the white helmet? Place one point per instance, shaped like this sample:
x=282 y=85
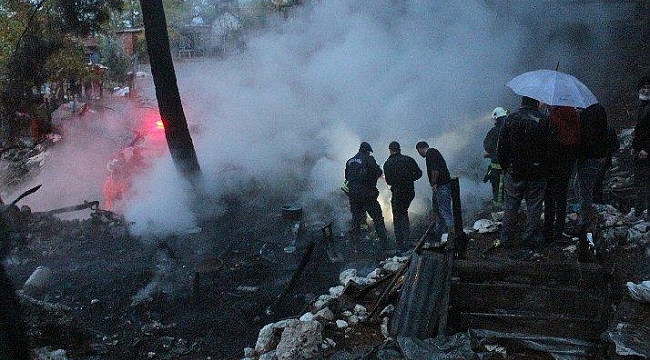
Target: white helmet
x=499 y=112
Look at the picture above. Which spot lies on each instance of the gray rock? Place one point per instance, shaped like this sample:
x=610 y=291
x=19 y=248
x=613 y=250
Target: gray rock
x=324 y=314
x=266 y=339
x=271 y=355
x=389 y=354
x=301 y=340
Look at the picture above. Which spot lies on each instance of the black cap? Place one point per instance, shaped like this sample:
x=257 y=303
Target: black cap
x=394 y=146
x=421 y=145
x=365 y=147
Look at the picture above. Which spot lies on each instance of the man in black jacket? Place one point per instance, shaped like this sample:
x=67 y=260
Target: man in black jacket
x=400 y=171
x=641 y=145
x=523 y=148
x=361 y=174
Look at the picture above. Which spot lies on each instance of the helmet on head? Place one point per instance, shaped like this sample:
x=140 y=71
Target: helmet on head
x=499 y=112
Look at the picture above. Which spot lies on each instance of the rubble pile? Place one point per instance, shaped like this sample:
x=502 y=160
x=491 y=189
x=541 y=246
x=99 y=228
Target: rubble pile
x=17 y=162
x=333 y=318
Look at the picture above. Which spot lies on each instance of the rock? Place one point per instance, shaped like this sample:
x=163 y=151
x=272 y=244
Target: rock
x=301 y=341
x=336 y=291
x=341 y=324
x=484 y=226
x=319 y=304
x=324 y=314
x=271 y=355
x=265 y=339
x=248 y=351
x=346 y=275
x=45 y=354
x=353 y=319
x=360 y=309
x=38 y=280
x=639 y=292
x=285 y=323
x=572 y=217
x=308 y=316
x=328 y=344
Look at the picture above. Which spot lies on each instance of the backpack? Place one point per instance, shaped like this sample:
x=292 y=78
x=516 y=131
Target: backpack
x=528 y=142
x=567 y=124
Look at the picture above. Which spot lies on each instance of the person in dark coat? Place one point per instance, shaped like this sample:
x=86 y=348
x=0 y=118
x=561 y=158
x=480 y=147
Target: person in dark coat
x=361 y=174
x=592 y=158
x=490 y=144
x=440 y=182
x=564 y=143
x=612 y=146
x=641 y=146
x=523 y=149
x=400 y=171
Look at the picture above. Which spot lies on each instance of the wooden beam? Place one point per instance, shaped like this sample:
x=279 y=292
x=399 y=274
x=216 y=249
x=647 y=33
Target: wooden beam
x=586 y=276
x=517 y=298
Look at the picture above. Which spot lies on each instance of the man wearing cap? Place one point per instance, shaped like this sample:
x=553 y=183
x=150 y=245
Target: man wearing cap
x=361 y=174
x=400 y=171
x=440 y=182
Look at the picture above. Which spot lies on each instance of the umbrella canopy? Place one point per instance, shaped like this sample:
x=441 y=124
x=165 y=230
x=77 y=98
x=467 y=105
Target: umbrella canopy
x=553 y=88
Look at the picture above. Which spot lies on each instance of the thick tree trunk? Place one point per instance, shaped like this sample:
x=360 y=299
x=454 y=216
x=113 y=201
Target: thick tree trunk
x=169 y=101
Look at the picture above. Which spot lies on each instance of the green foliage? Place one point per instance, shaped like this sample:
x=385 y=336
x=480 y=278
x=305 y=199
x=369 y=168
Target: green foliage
x=115 y=59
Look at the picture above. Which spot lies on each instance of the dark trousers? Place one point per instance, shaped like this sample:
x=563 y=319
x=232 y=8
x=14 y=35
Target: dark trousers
x=359 y=208
x=555 y=198
x=516 y=191
x=400 y=203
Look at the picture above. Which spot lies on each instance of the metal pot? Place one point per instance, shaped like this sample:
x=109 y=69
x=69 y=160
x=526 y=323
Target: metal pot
x=292 y=212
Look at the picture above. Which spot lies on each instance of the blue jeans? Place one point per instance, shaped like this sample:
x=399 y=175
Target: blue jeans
x=586 y=179
x=442 y=209
x=515 y=192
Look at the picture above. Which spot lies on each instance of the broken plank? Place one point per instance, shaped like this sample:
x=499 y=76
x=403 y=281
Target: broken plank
x=471 y=297
x=570 y=274
x=579 y=328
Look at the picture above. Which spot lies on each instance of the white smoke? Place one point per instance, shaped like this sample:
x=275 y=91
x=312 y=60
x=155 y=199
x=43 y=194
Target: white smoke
x=294 y=106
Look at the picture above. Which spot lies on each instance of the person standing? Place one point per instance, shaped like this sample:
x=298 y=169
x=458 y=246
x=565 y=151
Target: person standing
x=563 y=145
x=592 y=159
x=523 y=147
x=400 y=171
x=641 y=146
x=440 y=182
x=490 y=144
x=361 y=174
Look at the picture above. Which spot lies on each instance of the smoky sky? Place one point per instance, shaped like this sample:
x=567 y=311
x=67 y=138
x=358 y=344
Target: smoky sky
x=278 y=121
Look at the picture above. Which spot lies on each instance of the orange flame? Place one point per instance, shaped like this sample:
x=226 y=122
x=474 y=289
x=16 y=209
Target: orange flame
x=159 y=125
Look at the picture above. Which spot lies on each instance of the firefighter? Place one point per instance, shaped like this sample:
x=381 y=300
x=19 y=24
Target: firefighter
x=494 y=172
x=361 y=175
x=400 y=171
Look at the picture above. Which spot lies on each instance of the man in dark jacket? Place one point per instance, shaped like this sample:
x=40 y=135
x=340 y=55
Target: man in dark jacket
x=440 y=181
x=523 y=148
x=361 y=174
x=641 y=145
x=400 y=171
x=564 y=142
x=592 y=158
x=490 y=144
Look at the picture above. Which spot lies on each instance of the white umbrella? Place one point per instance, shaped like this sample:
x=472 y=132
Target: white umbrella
x=553 y=88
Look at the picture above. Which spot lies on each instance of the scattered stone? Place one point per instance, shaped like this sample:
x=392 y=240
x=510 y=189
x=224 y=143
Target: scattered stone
x=248 y=351
x=308 y=316
x=301 y=340
x=484 y=226
x=387 y=310
x=353 y=319
x=324 y=314
x=336 y=291
x=45 y=354
x=384 y=327
x=265 y=339
x=341 y=324
x=271 y=355
x=328 y=344
x=38 y=280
